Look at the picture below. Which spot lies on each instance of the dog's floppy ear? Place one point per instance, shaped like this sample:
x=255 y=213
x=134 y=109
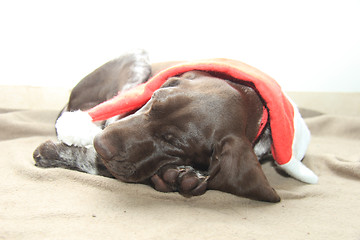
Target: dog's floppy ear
x=234 y=168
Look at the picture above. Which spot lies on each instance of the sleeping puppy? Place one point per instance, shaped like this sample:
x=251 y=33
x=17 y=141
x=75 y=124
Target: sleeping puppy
x=197 y=132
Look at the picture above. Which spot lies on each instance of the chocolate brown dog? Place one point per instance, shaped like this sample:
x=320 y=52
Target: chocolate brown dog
x=197 y=132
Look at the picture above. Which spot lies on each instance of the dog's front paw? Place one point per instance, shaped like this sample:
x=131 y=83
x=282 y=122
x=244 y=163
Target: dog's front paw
x=45 y=154
x=191 y=182
x=165 y=180
x=184 y=179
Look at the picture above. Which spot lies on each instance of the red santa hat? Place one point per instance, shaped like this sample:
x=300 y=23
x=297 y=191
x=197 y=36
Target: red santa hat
x=289 y=132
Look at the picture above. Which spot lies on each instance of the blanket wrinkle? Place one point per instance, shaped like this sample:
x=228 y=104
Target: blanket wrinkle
x=344 y=168
x=21 y=123
x=328 y=125
x=39 y=203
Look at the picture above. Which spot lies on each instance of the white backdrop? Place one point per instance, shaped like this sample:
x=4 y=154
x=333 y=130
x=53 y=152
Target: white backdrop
x=307 y=45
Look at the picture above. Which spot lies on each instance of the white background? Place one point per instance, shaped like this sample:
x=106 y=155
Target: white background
x=305 y=45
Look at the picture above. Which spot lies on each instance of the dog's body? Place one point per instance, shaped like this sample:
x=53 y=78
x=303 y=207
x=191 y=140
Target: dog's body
x=197 y=132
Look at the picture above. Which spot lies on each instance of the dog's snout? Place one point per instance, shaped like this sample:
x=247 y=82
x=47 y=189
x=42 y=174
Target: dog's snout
x=103 y=147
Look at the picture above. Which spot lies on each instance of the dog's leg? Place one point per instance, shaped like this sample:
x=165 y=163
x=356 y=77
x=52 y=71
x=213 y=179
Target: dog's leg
x=51 y=154
x=120 y=74
x=184 y=179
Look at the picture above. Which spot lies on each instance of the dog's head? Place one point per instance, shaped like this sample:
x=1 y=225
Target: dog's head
x=178 y=125
x=191 y=120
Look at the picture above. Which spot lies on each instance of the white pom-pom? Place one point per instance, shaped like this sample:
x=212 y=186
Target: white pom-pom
x=76 y=128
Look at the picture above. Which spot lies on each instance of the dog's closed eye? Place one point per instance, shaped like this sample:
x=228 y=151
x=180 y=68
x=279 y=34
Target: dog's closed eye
x=171 y=82
x=168 y=137
x=171 y=139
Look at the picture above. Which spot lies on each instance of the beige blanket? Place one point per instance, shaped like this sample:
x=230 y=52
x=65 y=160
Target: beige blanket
x=40 y=203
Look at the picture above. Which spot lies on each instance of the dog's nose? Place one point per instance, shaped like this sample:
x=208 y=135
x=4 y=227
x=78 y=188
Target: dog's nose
x=103 y=147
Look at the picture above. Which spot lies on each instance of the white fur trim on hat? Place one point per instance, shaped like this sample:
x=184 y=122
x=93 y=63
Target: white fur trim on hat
x=295 y=167
x=298 y=170
x=76 y=128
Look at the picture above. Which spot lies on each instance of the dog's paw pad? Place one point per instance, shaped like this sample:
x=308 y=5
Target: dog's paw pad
x=166 y=179
x=189 y=181
x=200 y=189
x=160 y=185
x=184 y=179
x=192 y=182
x=170 y=175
